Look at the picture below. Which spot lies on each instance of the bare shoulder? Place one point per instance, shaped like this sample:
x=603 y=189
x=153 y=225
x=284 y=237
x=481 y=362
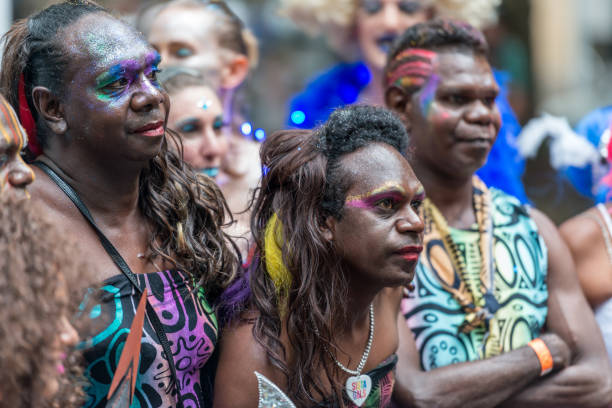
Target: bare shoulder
x=241 y=356
x=582 y=231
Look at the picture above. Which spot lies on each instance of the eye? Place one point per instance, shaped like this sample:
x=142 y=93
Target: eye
x=153 y=74
x=189 y=128
x=489 y=101
x=416 y=204
x=456 y=99
x=4 y=158
x=117 y=85
x=183 y=52
x=371 y=6
x=409 y=7
x=218 y=123
x=386 y=204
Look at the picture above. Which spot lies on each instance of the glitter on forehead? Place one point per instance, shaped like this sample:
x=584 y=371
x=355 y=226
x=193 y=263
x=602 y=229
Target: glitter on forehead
x=204 y=104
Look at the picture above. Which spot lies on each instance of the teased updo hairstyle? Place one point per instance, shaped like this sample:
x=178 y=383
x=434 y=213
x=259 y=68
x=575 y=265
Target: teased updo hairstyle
x=40 y=282
x=336 y=18
x=186 y=212
x=304 y=183
x=436 y=35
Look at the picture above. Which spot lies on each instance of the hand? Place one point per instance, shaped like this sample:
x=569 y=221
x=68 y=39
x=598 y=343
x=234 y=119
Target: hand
x=560 y=351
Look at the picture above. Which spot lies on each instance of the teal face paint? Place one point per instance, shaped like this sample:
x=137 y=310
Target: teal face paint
x=120 y=76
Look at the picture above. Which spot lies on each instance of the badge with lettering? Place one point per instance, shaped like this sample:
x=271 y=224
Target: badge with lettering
x=358 y=388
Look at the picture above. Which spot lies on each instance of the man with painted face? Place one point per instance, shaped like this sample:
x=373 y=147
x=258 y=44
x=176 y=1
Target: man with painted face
x=362 y=31
x=496 y=314
x=15 y=175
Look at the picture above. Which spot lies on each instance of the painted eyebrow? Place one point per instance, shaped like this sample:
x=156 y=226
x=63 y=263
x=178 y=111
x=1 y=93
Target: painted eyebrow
x=386 y=187
x=13 y=124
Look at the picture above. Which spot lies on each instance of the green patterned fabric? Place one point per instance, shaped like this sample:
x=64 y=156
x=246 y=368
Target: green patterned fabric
x=520 y=291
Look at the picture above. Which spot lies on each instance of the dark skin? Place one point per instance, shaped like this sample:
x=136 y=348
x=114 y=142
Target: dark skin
x=451 y=141
x=585 y=239
x=389 y=223
x=15 y=175
x=96 y=143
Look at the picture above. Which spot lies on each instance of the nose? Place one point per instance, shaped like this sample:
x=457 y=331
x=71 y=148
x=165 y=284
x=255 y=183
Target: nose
x=480 y=114
x=410 y=222
x=19 y=175
x=391 y=17
x=213 y=145
x=149 y=97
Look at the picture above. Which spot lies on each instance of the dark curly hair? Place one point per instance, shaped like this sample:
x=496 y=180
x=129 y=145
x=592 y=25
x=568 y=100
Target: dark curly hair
x=40 y=282
x=304 y=183
x=186 y=211
x=435 y=35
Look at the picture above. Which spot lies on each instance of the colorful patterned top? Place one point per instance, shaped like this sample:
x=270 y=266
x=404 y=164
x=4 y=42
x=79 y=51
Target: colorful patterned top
x=519 y=287
x=191 y=328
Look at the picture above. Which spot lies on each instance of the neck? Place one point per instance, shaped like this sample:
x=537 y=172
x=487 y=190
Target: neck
x=373 y=92
x=106 y=188
x=360 y=296
x=452 y=196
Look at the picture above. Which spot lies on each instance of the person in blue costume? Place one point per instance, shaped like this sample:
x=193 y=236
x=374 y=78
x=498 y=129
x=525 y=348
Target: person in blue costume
x=595 y=127
x=370 y=26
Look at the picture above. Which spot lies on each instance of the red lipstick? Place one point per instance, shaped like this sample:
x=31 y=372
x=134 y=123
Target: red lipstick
x=411 y=252
x=151 y=129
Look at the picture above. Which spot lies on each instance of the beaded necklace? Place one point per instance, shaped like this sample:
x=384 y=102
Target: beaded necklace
x=473 y=293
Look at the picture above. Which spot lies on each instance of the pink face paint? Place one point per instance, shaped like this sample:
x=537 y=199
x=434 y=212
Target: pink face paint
x=390 y=190
x=410 y=67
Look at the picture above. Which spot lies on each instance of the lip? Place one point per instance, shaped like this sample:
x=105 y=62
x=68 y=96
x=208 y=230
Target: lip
x=410 y=252
x=151 y=129
x=384 y=42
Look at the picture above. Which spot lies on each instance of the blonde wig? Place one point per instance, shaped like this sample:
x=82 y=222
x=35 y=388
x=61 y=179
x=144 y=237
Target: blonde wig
x=335 y=19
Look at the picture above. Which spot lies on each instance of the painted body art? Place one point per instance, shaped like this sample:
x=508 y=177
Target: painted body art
x=10 y=128
x=389 y=190
x=120 y=76
x=428 y=94
x=410 y=68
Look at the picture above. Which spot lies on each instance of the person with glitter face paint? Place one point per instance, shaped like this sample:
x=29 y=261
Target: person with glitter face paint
x=199 y=121
x=107 y=170
x=496 y=316
x=364 y=30
x=15 y=175
x=337 y=237
x=207 y=35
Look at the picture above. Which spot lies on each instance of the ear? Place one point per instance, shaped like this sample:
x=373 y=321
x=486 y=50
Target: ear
x=328 y=228
x=399 y=102
x=50 y=109
x=235 y=72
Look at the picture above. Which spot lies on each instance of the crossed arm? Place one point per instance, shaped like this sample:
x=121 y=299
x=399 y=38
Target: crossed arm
x=582 y=375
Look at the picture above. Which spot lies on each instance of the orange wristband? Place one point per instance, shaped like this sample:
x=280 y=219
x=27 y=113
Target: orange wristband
x=543 y=353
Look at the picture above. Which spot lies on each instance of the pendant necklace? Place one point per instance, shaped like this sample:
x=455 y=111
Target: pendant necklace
x=358 y=386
